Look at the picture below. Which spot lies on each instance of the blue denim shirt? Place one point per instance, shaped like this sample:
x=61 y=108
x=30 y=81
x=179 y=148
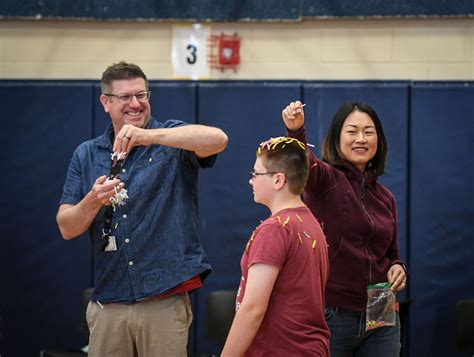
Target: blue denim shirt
x=156 y=231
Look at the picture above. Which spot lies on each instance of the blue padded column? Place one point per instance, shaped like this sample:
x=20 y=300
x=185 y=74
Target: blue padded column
x=249 y=112
x=442 y=214
x=42 y=275
x=390 y=101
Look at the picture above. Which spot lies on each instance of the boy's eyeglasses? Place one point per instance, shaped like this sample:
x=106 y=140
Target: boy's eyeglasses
x=126 y=98
x=255 y=174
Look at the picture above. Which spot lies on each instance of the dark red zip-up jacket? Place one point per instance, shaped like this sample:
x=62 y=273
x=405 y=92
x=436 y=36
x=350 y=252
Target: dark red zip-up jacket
x=359 y=218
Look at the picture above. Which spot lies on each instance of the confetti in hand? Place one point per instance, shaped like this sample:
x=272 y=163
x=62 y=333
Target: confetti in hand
x=119 y=198
x=118 y=155
x=120 y=193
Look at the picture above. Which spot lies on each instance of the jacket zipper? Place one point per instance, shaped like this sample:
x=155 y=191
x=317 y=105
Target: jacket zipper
x=362 y=195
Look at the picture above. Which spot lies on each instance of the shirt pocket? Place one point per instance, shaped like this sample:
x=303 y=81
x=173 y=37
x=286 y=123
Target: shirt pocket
x=153 y=157
x=152 y=172
x=97 y=167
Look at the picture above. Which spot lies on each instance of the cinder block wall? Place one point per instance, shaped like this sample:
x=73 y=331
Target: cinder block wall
x=415 y=49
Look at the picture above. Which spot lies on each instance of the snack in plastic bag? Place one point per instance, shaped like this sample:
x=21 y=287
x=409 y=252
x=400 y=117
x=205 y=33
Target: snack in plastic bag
x=380 y=306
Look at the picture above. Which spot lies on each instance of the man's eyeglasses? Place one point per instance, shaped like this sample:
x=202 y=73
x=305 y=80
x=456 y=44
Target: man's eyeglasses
x=255 y=174
x=126 y=98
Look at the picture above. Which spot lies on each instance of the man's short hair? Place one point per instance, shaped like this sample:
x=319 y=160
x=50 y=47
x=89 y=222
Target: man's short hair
x=289 y=156
x=120 y=71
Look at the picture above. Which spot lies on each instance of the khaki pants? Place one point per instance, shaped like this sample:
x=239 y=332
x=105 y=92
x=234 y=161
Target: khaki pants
x=151 y=328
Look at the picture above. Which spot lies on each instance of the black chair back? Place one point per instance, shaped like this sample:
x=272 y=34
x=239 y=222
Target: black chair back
x=465 y=326
x=220 y=314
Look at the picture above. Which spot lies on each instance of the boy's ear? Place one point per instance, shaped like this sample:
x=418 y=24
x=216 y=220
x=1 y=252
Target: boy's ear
x=280 y=180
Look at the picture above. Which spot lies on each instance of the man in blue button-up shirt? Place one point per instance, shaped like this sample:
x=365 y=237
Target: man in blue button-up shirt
x=147 y=254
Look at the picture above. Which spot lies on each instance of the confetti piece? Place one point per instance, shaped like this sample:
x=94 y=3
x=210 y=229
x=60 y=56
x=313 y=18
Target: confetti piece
x=371 y=324
x=272 y=143
x=314 y=244
x=118 y=155
x=297 y=216
x=286 y=221
x=119 y=198
x=299 y=237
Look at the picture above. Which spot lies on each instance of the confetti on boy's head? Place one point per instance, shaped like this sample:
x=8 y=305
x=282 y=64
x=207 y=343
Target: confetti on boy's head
x=289 y=156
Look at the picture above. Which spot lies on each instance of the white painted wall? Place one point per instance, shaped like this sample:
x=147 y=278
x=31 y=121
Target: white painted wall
x=405 y=49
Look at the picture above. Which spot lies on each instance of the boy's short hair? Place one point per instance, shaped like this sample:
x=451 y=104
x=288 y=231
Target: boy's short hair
x=289 y=156
x=120 y=71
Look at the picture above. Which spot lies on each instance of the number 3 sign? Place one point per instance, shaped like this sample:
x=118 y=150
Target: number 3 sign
x=189 y=52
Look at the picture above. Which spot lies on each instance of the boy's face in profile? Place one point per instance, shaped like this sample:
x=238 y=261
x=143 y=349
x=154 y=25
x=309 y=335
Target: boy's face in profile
x=262 y=183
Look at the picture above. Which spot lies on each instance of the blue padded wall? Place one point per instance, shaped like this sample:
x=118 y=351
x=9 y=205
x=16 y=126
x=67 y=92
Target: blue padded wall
x=430 y=171
x=249 y=113
x=390 y=100
x=42 y=275
x=442 y=214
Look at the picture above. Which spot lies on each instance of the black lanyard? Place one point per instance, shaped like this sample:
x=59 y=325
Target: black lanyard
x=115 y=168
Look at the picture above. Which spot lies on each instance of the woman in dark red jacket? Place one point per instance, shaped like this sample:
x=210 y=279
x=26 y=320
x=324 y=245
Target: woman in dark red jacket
x=359 y=218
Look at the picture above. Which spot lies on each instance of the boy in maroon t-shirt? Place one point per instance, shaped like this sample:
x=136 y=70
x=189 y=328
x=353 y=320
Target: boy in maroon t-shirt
x=280 y=303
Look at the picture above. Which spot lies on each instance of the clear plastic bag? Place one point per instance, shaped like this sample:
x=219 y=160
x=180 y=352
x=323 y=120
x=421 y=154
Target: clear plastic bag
x=380 y=306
